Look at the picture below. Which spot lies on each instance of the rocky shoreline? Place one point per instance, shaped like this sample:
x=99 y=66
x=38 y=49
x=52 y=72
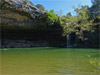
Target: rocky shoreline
x=28 y=44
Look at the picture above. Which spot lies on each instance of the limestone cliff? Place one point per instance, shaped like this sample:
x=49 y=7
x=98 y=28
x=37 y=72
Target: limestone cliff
x=19 y=12
x=19 y=22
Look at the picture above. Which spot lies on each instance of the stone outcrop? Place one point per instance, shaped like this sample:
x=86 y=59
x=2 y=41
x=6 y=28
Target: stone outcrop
x=20 y=13
x=25 y=6
x=16 y=16
x=28 y=44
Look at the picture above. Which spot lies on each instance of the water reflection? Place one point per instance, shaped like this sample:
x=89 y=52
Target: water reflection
x=47 y=62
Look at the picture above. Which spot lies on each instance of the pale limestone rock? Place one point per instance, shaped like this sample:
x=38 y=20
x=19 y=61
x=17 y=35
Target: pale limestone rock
x=27 y=7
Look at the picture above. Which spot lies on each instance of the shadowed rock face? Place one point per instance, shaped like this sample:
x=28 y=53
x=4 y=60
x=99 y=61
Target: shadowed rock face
x=17 y=14
x=25 y=6
x=28 y=44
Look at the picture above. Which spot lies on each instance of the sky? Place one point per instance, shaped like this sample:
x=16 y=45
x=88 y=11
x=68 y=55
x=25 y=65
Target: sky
x=62 y=6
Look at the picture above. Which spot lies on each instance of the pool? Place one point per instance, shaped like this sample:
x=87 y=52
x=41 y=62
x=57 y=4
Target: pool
x=49 y=61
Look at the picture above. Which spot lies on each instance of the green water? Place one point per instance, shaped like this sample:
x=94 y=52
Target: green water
x=48 y=61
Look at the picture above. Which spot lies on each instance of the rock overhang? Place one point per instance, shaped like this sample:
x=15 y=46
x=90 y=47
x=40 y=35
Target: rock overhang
x=25 y=6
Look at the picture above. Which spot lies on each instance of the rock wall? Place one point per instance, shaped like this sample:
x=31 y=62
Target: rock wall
x=24 y=6
x=0 y=44
x=11 y=21
x=15 y=14
x=28 y=43
x=18 y=12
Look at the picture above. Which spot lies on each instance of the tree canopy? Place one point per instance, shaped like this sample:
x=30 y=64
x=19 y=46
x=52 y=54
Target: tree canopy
x=41 y=7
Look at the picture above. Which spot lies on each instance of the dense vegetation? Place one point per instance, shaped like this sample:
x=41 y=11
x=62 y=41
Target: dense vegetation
x=85 y=26
x=29 y=2
x=39 y=6
x=82 y=29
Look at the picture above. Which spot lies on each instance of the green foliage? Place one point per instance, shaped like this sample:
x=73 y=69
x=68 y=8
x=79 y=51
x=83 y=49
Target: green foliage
x=52 y=11
x=39 y=6
x=96 y=2
x=95 y=7
x=0 y=4
x=95 y=63
x=87 y=20
x=52 y=17
x=29 y=2
x=78 y=24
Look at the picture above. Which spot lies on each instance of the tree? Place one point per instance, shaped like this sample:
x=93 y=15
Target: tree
x=84 y=24
x=51 y=17
x=39 y=6
x=29 y=2
x=80 y=23
x=95 y=2
x=69 y=14
x=95 y=9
